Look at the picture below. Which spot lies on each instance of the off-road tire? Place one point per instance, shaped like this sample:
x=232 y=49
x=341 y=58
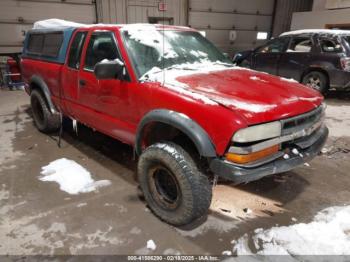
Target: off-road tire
x=193 y=189
x=44 y=120
x=316 y=80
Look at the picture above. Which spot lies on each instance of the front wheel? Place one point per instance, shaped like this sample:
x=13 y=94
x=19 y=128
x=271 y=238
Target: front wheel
x=317 y=81
x=174 y=188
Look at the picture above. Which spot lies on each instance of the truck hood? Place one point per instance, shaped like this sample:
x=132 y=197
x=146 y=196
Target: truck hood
x=259 y=97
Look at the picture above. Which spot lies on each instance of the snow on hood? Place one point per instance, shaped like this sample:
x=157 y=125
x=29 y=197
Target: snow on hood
x=168 y=77
x=71 y=177
x=327 y=234
x=237 y=88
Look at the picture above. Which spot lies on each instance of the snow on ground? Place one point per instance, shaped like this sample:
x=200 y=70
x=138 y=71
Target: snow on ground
x=71 y=177
x=327 y=234
x=151 y=245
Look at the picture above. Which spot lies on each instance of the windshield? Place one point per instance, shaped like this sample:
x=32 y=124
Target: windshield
x=163 y=49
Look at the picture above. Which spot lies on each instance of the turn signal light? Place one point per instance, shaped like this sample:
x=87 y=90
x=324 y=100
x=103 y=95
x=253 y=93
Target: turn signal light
x=244 y=159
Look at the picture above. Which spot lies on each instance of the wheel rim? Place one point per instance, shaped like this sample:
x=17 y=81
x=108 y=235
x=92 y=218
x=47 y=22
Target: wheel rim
x=164 y=187
x=314 y=82
x=38 y=111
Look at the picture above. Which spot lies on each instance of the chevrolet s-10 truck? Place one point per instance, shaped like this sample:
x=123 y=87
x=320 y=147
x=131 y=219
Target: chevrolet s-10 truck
x=189 y=113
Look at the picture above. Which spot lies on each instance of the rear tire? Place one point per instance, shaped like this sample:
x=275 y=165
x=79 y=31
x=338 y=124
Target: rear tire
x=44 y=120
x=317 y=81
x=172 y=185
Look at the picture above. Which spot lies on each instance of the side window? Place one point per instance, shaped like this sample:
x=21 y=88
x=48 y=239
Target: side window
x=330 y=45
x=101 y=46
x=52 y=44
x=76 y=49
x=35 y=43
x=275 y=46
x=300 y=45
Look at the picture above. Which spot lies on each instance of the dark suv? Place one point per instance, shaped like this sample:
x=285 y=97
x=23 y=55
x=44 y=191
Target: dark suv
x=317 y=58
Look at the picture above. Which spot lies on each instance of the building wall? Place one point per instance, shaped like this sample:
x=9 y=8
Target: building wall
x=17 y=17
x=220 y=18
x=284 y=13
x=140 y=11
x=325 y=14
x=231 y=24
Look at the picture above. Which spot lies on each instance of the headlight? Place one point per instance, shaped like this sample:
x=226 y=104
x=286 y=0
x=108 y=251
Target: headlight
x=258 y=132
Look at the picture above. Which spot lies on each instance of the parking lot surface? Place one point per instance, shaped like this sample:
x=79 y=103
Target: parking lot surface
x=37 y=217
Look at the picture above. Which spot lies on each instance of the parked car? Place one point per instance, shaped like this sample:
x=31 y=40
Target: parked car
x=184 y=107
x=317 y=58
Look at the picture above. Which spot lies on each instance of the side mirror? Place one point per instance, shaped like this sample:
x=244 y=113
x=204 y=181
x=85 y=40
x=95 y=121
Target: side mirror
x=109 y=69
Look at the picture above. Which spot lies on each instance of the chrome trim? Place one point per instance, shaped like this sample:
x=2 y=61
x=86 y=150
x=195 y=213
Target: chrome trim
x=276 y=141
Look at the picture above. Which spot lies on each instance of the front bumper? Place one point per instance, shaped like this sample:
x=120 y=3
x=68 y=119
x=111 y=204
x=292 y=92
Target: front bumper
x=308 y=148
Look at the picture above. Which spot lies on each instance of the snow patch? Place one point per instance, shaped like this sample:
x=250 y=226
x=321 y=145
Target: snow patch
x=327 y=234
x=290 y=80
x=149 y=35
x=317 y=31
x=71 y=177
x=239 y=104
x=151 y=245
x=256 y=78
x=168 y=78
x=55 y=23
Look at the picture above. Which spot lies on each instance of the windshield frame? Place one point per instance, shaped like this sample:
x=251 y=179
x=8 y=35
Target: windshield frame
x=132 y=59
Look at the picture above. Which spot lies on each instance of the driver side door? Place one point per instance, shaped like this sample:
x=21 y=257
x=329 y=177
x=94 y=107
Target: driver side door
x=106 y=106
x=267 y=57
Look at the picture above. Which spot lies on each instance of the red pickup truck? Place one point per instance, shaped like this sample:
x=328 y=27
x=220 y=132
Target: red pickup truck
x=186 y=109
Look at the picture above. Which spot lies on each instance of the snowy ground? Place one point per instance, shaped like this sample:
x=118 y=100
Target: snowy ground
x=327 y=234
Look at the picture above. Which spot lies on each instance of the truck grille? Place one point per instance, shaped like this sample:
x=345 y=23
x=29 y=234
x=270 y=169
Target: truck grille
x=295 y=124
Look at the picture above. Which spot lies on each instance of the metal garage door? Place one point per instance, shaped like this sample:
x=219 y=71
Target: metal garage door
x=16 y=17
x=142 y=11
x=218 y=17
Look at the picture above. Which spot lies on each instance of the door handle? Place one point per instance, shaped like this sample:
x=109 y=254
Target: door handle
x=82 y=82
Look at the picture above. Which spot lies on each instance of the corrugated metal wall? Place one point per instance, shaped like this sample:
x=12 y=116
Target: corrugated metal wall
x=18 y=16
x=140 y=11
x=284 y=13
x=219 y=17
